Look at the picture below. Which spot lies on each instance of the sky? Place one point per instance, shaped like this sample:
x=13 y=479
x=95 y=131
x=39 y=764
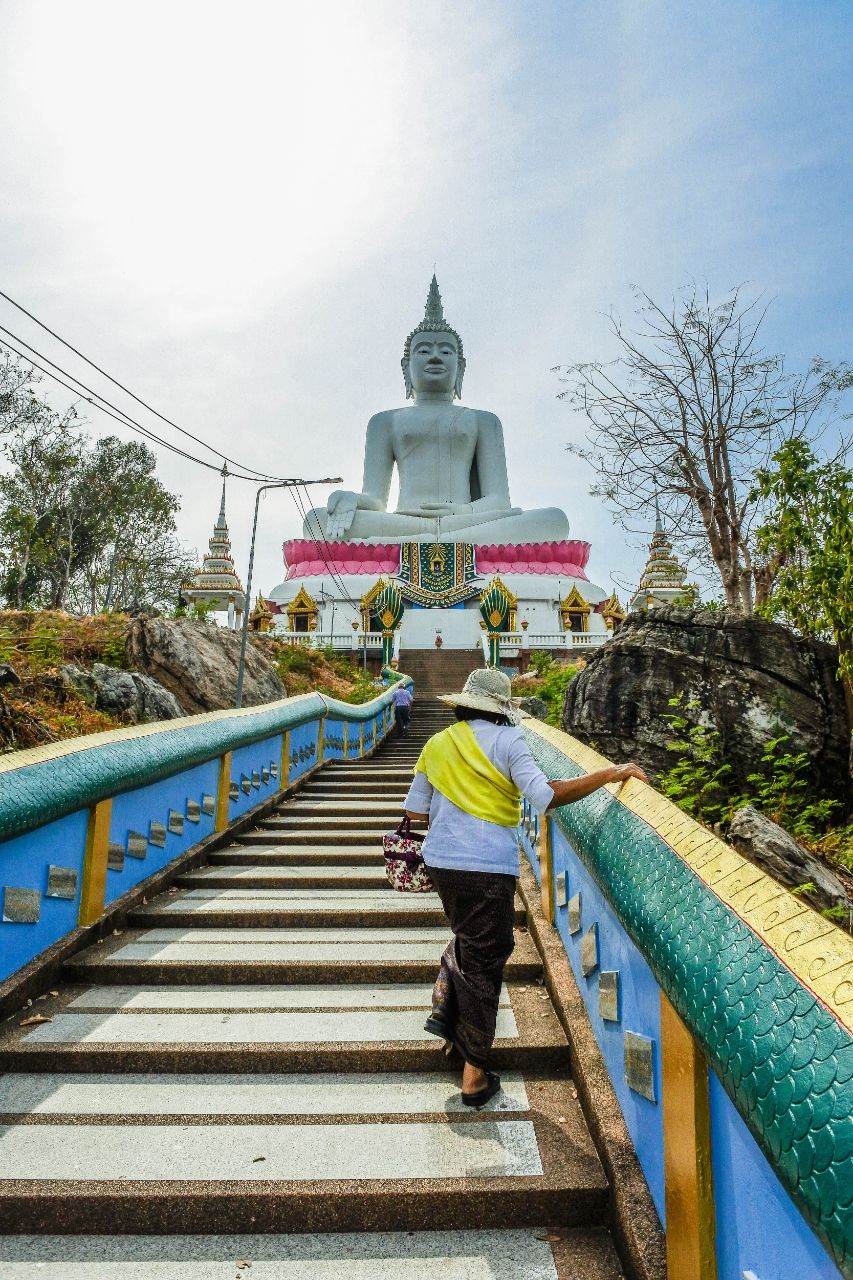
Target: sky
x=236 y=211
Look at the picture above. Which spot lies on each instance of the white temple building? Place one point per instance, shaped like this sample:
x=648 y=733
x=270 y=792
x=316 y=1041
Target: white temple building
x=454 y=541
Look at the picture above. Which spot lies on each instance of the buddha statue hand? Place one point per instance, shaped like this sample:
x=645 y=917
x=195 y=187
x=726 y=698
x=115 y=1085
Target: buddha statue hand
x=341 y=508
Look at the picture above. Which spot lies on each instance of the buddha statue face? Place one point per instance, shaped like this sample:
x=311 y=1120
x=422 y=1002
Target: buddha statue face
x=433 y=364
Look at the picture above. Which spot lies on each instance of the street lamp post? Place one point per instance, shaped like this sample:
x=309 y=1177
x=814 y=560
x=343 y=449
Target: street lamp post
x=281 y=484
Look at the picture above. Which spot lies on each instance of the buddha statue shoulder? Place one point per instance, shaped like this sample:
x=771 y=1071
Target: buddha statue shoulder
x=450 y=460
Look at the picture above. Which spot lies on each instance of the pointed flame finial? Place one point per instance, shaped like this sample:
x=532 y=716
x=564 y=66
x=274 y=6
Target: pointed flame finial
x=224 y=474
x=434 y=311
x=658 y=524
x=434 y=320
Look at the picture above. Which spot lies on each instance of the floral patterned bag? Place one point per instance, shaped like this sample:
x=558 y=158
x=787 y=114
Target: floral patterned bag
x=404 y=866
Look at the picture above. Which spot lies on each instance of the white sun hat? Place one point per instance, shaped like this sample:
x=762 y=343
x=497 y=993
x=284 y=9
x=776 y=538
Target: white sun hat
x=486 y=689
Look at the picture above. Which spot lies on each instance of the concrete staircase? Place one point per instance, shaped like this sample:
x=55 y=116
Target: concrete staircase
x=239 y=1085
x=439 y=670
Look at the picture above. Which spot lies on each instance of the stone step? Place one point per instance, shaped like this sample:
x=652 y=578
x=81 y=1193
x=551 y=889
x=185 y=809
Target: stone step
x=313 y=836
x=247 y=1030
x=453 y=1255
x=334 y=787
x=334 y=1158
x=278 y=855
x=344 y=806
x=296 y=908
x=330 y=876
x=379 y=954
x=329 y=821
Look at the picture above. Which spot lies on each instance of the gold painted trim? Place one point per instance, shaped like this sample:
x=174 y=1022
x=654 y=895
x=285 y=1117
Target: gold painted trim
x=546 y=869
x=223 y=792
x=321 y=741
x=94 y=880
x=360 y=739
x=688 y=1176
x=817 y=952
x=284 y=771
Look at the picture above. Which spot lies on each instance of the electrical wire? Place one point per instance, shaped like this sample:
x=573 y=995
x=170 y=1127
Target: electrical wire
x=189 y=434
x=113 y=411
x=321 y=544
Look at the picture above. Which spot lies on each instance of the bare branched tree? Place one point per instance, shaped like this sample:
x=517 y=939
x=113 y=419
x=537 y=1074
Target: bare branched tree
x=688 y=411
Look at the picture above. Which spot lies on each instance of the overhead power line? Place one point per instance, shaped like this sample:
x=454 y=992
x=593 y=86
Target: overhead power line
x=189 y=434
x=113 y=411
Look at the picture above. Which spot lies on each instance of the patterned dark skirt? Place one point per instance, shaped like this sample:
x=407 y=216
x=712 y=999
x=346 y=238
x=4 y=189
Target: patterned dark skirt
x=480 y=906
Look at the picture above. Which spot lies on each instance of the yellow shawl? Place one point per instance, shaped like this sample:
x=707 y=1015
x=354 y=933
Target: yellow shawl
x=456 y=765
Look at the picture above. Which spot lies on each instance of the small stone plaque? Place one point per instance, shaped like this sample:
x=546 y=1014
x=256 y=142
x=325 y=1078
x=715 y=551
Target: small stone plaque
x=21 y=906
x=256 y=779
x=157 y=835
x=176 y=822
x=589 y=950
x=560 y=889
x=115 y=856
x=575 y=914
x=61 y=882
x=274 y=770
x=208 y=805
x=246 y=784
x=137 y=844
x=265 y=775
x=193 y=811
x=233 y=791
x=608 y=995
x=639 y=1065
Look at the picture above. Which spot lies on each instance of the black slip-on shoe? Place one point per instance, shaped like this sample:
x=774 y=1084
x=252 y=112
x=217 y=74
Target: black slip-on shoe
x=484 y=1095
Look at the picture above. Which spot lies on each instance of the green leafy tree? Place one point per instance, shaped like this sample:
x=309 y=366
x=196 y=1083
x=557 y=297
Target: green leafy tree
x=807 y=544
x=83 y=526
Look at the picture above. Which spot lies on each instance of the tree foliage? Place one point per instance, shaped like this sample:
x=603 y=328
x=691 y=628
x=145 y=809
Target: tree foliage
x=84 y=525
x=691 y=407
x=807 y=537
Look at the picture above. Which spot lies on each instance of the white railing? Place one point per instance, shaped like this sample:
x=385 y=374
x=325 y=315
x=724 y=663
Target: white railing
x=347 y=640
x=512 y=641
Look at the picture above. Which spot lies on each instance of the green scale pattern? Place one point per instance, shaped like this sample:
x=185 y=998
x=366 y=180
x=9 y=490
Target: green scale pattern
x=35 y=794
x=783 y=1058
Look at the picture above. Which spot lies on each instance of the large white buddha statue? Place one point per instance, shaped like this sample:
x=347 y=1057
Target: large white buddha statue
x=450 y=459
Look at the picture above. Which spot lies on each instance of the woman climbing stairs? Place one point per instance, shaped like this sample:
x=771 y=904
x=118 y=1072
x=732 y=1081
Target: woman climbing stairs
x=239 y=1083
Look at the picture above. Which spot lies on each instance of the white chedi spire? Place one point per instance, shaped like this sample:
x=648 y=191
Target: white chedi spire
x=217 y=582
x=663 y=580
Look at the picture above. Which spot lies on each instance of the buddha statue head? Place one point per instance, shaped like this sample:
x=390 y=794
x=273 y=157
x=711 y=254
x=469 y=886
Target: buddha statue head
x=433 y=361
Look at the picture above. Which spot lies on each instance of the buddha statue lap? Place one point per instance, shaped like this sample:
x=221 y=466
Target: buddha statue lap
x=450 y=459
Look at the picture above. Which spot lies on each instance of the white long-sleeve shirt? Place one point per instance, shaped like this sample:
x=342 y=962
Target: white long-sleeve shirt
x=460 y=841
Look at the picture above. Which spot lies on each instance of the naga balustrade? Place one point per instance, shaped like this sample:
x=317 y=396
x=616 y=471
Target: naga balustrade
x=85 y=820
x=722 y=1007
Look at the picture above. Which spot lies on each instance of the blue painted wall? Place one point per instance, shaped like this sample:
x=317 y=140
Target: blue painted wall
x=136 y=810
x=639 y=1006
x=247 y=765
x=759 y=1229
x=23 y=865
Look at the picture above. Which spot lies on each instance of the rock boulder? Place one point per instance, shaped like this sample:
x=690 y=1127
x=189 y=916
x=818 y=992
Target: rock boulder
x=197 y=662
x=769 y=847
x=746 y=675
x=135 y=697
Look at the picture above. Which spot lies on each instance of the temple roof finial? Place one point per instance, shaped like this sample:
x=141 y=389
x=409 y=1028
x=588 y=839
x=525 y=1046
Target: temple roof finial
x=434 y=311
x=224 y=474
x=658 y=524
